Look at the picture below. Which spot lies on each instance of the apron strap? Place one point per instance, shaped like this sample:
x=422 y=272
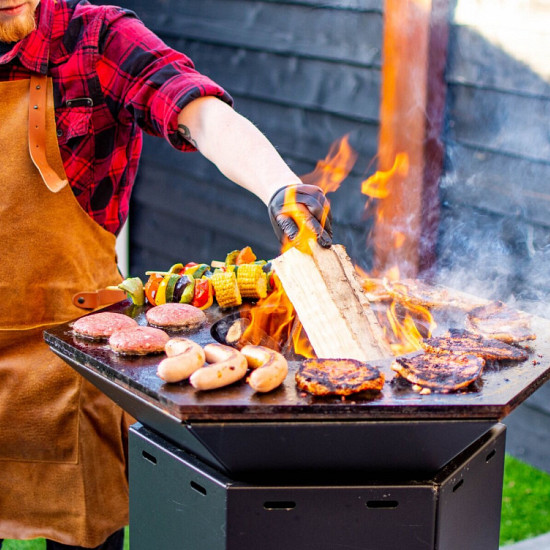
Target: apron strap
x=37 y=133
x=97 y=298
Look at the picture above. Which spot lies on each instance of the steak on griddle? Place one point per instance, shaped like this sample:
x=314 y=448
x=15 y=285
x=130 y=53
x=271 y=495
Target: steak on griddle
x=463 y=341
x=499 y=321
x=432 y=296
x=338 y=377
x=440 y=372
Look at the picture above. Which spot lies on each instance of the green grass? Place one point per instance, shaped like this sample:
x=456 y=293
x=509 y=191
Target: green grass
x=525 y=507
x=40 y=544
x=525 y=502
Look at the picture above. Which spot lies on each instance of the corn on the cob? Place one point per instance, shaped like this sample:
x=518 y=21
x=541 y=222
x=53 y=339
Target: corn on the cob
x=226 y=289
x=252 y=281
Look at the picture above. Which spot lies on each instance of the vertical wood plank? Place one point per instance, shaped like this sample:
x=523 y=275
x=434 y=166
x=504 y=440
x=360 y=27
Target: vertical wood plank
x=434 y=147
x=414 y=53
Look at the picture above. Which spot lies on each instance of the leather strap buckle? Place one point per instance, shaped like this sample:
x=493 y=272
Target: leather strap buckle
x=97 y=298
x=37 y=132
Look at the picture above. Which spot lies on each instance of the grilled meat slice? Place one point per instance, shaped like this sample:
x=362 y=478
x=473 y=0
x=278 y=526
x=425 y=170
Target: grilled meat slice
x=499 y=321
x=463 y=341
x=338 y=377
x=419 y=293
x=440 y=372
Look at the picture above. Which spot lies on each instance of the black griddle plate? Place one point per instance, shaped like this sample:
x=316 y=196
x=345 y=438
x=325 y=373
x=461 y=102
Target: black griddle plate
x=288 y=432
x=501 y=389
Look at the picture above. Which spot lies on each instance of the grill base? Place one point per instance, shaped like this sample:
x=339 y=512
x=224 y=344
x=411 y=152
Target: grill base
x=177 y=502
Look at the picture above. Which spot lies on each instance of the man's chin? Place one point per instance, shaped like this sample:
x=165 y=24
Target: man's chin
x=19 y=28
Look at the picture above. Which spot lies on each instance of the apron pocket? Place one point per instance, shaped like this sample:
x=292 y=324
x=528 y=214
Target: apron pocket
x=39 y=401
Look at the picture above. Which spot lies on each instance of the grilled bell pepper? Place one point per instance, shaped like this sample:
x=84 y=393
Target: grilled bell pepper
x=231 y=257
x=176 y=268
x=160 y=297
x=245 y=256
x=151 y=287
x=203 y=296
x=196 y=270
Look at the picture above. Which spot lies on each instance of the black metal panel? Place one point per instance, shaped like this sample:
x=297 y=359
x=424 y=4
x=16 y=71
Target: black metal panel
x=400 y=448
x=470 y=498
x=174 y=504
x=178 y=503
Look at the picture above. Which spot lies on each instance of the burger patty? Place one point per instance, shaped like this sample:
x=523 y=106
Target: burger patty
x=99 y=326
x=138 y=341
x=338 y=377
x=463 y=341
x=179 y=317
x=440 y=372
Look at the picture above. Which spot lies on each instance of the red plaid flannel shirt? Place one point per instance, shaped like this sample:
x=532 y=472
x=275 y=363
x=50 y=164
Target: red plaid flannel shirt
x=112 y=79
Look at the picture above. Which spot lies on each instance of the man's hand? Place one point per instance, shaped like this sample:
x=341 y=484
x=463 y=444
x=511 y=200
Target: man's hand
x=295 y=206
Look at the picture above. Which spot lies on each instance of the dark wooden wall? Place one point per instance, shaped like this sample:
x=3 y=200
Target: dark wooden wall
x=306 y=72
x=495 y=230
x=494 y=235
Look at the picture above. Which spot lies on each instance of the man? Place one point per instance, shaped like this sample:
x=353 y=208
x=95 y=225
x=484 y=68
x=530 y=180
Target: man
x=78 y=83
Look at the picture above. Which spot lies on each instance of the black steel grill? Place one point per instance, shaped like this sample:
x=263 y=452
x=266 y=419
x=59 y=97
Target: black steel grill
x=277 y=444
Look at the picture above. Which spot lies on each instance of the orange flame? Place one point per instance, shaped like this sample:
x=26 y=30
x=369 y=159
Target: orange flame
x=392 y=273
x=405 y=326
x=275 y=316
x=298 y=213
x=330 y=172
x=378 y=185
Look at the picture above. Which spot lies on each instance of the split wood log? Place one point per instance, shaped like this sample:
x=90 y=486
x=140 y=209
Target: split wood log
x=331 y=304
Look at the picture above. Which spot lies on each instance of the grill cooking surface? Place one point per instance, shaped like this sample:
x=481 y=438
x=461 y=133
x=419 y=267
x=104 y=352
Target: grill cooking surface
x=502 y=387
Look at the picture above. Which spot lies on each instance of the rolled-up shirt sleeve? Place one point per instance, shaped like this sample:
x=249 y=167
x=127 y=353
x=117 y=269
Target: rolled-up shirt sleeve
x=146 y=82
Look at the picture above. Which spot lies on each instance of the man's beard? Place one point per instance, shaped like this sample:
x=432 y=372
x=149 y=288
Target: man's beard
x=13 y=31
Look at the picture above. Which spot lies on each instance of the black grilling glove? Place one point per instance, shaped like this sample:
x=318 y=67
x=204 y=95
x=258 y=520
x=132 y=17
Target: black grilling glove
x=309 y=206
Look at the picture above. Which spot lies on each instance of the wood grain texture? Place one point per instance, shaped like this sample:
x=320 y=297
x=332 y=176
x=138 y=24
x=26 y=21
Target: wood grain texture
x=331 y=304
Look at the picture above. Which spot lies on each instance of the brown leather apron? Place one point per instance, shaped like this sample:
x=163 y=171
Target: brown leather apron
x=62 y=453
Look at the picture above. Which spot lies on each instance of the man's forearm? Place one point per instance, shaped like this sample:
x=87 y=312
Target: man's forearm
x=239 y=150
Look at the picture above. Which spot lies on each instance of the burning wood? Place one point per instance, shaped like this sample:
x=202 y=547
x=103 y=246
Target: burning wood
x=331 y=303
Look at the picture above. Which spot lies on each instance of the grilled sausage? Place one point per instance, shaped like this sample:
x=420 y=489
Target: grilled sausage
x=184 y=358
x=270 y=367
x=227 y=366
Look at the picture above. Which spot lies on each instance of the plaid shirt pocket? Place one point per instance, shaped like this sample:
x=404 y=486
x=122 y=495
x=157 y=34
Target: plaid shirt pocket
x=76 y=138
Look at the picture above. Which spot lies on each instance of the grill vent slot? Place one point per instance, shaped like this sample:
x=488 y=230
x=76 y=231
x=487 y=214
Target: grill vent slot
x=458 y=485
x=149 y=457
x=279 y=505
x=490 y=455
x=382 y=504
x=199 y=488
